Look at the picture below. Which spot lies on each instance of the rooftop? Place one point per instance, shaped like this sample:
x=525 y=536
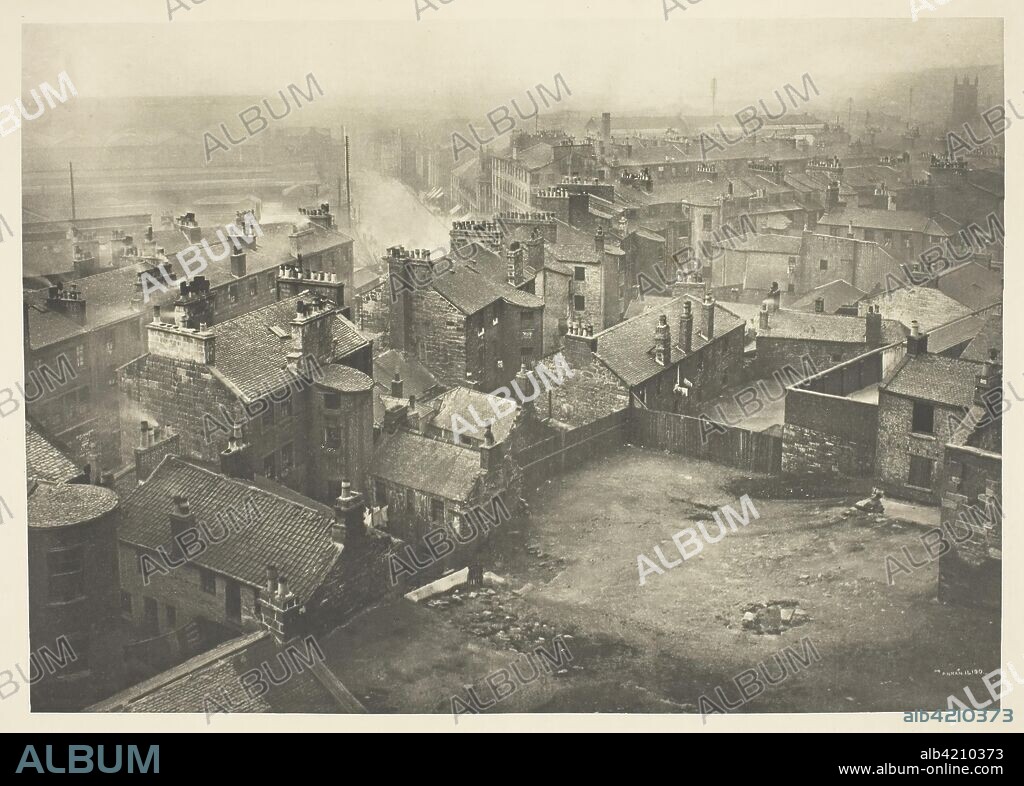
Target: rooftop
x=894 y=220
x=64 y=504
x=628 y=347
x=262 y=527
x=928 y=306
x=436 y=467
x=934 y=378
x=45 y=461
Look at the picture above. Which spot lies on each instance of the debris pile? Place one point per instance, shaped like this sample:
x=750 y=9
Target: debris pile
x=773 y=617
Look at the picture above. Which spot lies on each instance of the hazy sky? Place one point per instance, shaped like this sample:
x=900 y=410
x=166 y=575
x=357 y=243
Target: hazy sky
x=462 y=66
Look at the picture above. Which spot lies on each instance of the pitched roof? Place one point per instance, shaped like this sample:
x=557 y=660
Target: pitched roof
x=253 y=358
x=895 y=220
x=469 y=290
x=628 y=347
x=46 y=327
x=536 y=156
x=989 y=337
x=45 y=461
x=928 y=306
x=809 y=326
x=212 y=682
x=971 y=284
x=266 y=528
x=835 y=294
x=934 y=378
x=437 y=467
x=765 y=243
x=417 y=379
x=464 y=402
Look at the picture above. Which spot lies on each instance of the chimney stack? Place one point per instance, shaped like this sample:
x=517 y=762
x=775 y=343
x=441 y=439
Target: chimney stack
x=237 y=262
x=709 y=316
x=763 y=317
x=989 y=385
x=775 y=296
x=236 y=458
x=396 y=386
x=599 y=241
x=819 y=305
x=182 y=519
x=491 y=454
x=313 y=329
x=917 y=342
x=686 y=328
x=349 y=525
x=662 y=342
x=873 y=327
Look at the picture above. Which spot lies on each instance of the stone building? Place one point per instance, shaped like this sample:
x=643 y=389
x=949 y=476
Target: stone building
x=669 y=358
x=787 y=337
x=74 y=614
x=463 y=325
x=295 y=375
x=921 y=404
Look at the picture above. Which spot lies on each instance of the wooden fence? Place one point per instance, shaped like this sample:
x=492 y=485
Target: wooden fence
x=569 y=449
x=737 y=447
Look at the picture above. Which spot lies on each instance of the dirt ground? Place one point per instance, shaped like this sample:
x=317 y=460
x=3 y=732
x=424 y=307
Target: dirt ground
x=571 y=572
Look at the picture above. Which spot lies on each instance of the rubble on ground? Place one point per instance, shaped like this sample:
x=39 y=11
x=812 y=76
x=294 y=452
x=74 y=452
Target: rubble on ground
x=774 y=616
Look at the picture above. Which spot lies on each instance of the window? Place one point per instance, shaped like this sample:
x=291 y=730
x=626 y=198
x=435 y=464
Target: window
x=888 y=237
x=923 y=418
x=150 y=623
x=332 y=400
x=380 y=493
x=286 y=408
x=921 y=472
x=126 y=604
x=706 y=222
x=110 y=345
x=791 y=266
x=172 y=617
x=253 y=287
x=268 y=415
x=207 y=581
x=869 y=234
x=579 y=303
x=791 y=287
x=66 y=574
x=526 y=357
x=579 y=273
x=268 y=465
x=80 y=356
x=233 y=293
x=526 y=318
x=822 y=264
x=437 y=510
x=287 y=458
x=332 y=438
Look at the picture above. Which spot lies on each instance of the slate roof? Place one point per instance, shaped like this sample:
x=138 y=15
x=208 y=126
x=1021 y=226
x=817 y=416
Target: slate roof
x=469 y=290
x=271 y=530
x=809 y=326
x=345 y=379
x=45 y=461
x=463 y=401
x=627 y=348
x=63 y=504
x=436 y=467
x=934 y=378
x=989 y=337
x=252 y=358
x=416 y=378
x=211 y=683
x=955 y=333
x=48 y=327
x=928 y=306
x=835 y=293
x=764 y=243
x=895 y=220
x=971 y=284
x=536 y=156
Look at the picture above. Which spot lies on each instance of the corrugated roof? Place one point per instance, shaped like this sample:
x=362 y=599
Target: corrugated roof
x=271 y=530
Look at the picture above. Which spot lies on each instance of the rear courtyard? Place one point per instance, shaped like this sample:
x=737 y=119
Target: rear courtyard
x=571 y=571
